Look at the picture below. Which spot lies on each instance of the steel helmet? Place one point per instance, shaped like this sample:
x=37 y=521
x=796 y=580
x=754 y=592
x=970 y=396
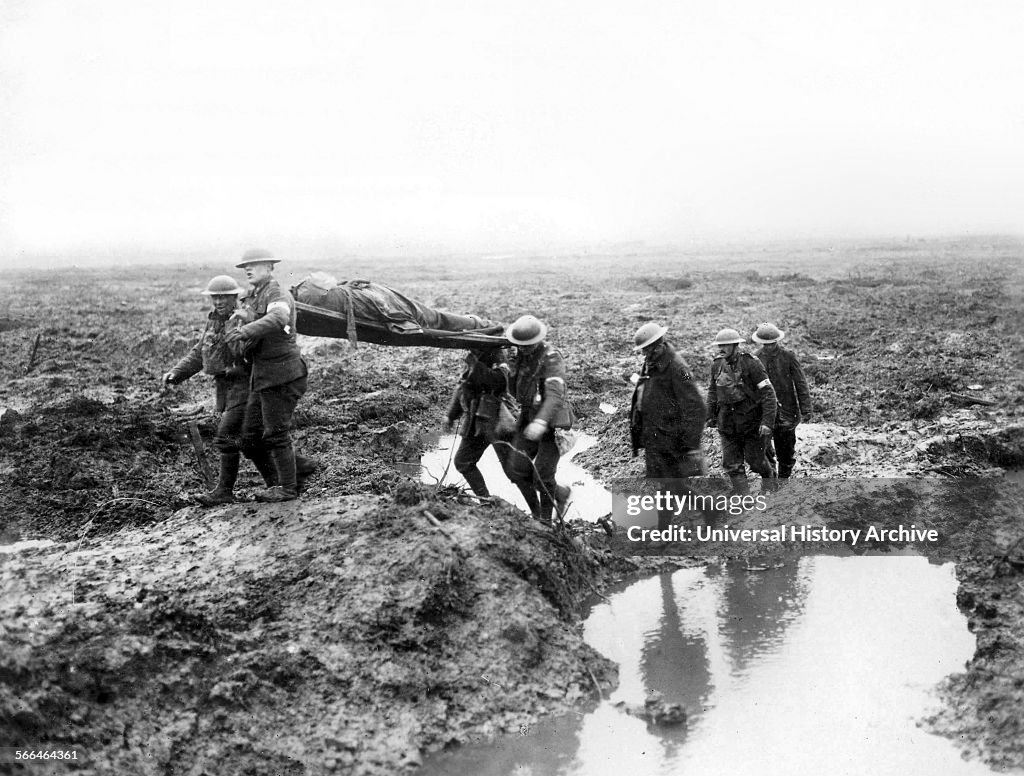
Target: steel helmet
x=767 y=333
x=222 y=284
x=526 y=330
x=728 y=337
x=257 y=256
x=648 y=334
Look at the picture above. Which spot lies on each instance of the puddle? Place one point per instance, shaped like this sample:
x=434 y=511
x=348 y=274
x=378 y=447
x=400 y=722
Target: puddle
x=590 y=499
x=822 y=666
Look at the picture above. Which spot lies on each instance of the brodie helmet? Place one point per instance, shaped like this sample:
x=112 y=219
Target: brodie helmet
x=526 y=330
x=222 y=285
x=648 y=334
x=257 y=256
x=767 y=333
x=728 y=337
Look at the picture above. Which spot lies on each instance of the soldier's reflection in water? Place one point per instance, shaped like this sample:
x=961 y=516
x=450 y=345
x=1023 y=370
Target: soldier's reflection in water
x=759 y=606
x=728 y=617
x=674 y=664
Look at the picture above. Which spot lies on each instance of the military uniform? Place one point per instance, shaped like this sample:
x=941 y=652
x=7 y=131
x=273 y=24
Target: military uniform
x=667 y=419
x=537 y=381
x=667 y=416
x=211 y=356
x=278 y=379
x=479 y=378
x=741 y=400
x=794 y=400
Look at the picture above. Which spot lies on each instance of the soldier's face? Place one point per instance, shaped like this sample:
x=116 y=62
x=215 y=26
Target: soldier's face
x=770 y=347
x=652 y=351
x=727 y=350
x=257 y=273
x=224 y=303
x=528 y=350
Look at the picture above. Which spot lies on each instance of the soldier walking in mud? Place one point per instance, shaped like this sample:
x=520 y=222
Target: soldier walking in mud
x=790 y=386
x=231 y=377
x=537 y=381
x=741 y=405
x=476 y=402
x=278 y=375
x=667 y=414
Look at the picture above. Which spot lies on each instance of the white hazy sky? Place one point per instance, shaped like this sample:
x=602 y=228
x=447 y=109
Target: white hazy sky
x=202 y=123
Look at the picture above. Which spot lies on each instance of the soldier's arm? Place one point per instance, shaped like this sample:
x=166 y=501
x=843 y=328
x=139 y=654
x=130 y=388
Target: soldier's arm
x=188 y=365
x=455 y=405
x=712 y=399
x=277 y=318
x=487 y=376
x=692 y=413
x=765 y=392
x=553 y=375
x=803 y=395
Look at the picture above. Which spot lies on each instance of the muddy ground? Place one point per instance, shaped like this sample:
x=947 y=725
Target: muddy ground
x=349 y=632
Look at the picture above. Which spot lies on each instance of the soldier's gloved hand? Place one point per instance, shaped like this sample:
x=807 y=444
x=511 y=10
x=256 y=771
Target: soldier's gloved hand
x=448 y=424
x=168 y=379
x=765 y=431
x=237 y=343
x=535 y=430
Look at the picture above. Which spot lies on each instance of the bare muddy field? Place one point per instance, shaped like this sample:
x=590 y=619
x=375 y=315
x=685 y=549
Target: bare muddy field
x=379 y=619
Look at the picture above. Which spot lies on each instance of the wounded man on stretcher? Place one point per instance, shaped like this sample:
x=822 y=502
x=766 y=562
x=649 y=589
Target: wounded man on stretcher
x=370 y=312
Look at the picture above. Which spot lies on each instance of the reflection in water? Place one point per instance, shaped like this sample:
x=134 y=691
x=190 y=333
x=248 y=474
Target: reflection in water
x=821 y=666
x=755 y=612
x=665 y=649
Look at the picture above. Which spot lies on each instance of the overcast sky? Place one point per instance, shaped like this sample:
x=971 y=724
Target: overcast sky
x=200 y=124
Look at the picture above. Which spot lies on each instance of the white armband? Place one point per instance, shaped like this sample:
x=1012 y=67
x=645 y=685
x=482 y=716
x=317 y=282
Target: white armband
x=764 y=383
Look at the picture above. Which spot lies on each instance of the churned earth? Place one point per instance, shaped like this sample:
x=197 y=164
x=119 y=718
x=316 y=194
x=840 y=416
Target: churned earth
x=376 y=619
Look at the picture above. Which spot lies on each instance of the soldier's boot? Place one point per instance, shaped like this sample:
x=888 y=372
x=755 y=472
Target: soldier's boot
x=740 y=486
x=547 y=506
x=224 y=492
x=784 y=472
x=530 y=496
x=286 y=488
x=475 y=479
x=304 y=469
x=265 y=466
x=562 y=495
x=770 y=483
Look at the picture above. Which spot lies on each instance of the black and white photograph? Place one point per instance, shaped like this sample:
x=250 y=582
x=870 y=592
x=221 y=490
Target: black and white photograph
x=511 y=389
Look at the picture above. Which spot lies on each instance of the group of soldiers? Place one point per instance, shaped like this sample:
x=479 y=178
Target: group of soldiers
x=755 y=403
x=515 y=402
x=250 y=350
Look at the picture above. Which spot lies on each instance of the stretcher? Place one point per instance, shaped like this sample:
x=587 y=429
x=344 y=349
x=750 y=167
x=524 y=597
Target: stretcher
x=362 y=311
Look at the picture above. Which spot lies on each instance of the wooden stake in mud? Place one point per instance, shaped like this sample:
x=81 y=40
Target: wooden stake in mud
x=197 y=445
x=32 y=356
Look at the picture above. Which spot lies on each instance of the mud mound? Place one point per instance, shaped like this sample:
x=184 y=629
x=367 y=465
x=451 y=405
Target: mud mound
x=77 y=461
x=187 y=648
x=1001 y=447
x=982 y=705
